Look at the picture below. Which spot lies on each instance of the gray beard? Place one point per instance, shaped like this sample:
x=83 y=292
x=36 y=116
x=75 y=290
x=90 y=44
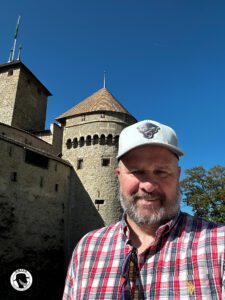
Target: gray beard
x=158 y=216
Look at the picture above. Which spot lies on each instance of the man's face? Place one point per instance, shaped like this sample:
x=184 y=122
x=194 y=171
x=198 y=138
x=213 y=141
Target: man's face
x=149 y=185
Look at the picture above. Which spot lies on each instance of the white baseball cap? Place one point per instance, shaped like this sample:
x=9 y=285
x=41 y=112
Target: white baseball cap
x=148 y=132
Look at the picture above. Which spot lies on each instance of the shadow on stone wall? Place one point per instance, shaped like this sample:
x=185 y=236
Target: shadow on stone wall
x=20 y=250
x=82 y=215
x=47 y=264
x=46 y=269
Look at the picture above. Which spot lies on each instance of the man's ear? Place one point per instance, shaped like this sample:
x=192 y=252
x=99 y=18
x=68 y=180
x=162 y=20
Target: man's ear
x=179 y=171
x=117 y=171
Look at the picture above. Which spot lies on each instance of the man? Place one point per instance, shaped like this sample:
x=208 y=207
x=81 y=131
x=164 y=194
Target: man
x=155 y=251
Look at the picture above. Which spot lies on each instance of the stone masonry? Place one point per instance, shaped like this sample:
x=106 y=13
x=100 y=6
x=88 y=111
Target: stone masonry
x=21 y=97
x=55 y=184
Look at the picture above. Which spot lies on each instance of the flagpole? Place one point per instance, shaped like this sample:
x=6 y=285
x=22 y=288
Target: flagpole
x=15 y=38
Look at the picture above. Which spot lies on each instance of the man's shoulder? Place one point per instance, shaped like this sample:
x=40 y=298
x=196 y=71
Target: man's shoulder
x=101 y=235
x=196 y=223
x=106 y=231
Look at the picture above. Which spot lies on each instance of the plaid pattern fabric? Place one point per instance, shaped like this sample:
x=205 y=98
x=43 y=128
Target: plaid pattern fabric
x=185 y=262
x=131 y=288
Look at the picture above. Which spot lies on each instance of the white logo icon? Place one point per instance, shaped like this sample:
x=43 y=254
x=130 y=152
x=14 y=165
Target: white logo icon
x=21 y=280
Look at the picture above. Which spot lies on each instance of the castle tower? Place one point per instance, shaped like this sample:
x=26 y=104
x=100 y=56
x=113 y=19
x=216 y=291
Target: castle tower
x=23 y=98
x=90 y=143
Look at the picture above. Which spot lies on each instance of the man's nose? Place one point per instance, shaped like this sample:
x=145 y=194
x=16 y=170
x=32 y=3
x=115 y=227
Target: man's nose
x=148 y=185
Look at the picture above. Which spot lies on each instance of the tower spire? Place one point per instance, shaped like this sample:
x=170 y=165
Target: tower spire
x=104 y=80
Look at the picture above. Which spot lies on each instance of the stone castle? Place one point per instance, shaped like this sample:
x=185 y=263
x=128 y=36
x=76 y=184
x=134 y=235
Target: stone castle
x=56 y=184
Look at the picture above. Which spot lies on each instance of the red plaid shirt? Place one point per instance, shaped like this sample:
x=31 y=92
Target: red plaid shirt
x=187 y=261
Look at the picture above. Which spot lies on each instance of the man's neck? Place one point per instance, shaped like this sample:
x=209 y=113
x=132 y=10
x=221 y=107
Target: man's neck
x=142 y=236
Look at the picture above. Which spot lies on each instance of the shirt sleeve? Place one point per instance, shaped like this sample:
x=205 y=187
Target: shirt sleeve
x=223 y=278
x=69 y=283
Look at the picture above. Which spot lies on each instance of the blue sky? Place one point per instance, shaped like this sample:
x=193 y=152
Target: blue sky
x=164 y=60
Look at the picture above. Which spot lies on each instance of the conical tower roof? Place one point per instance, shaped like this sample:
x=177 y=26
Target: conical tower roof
x=102 y=100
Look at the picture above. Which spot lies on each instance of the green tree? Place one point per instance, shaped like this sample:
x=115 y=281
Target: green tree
x=204 y=191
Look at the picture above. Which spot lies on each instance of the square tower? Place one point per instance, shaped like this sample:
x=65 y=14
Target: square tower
x=23 y=98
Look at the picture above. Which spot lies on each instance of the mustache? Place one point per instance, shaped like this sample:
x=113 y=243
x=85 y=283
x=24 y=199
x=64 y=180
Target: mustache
x=148 y=196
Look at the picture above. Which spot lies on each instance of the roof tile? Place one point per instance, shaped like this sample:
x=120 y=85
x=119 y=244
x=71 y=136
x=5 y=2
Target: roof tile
x=102 y=100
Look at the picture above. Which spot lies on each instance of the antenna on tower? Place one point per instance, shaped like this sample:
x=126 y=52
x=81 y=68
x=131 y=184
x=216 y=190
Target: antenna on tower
x=10 y=55
x=12 y=52
x=104 y=80
x=19 y=53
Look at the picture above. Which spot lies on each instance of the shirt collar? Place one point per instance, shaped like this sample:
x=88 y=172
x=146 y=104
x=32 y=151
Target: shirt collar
x=167 y=227
x=163 y=229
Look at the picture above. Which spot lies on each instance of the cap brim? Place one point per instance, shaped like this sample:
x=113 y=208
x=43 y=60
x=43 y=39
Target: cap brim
x=173 y=149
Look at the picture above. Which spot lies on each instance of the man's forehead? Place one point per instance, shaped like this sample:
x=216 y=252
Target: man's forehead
x=148 y=163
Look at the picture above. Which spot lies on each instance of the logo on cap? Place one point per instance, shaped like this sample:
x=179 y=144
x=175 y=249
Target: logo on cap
x=148 y=130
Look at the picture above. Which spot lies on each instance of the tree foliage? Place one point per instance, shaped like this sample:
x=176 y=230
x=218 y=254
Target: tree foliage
x=204 y=191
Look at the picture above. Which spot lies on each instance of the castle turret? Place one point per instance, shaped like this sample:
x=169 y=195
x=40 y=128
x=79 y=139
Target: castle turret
x=23 y=98
x=90 y=143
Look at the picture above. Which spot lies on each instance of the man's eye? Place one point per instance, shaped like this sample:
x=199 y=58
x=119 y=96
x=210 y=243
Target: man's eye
x=162 y=173
x=137 y=172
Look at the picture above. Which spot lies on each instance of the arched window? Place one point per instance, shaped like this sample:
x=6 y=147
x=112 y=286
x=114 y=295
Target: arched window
x=81 y=142
x=95 y=139
x=109 y=139
x=116 y=140
x=88 y=140
x=68 y=144
x=75 y=143
x=102 y=140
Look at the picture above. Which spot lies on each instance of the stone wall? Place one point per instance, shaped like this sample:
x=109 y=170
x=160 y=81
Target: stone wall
x=82 y=215
x=46 y=203
x=57 y=137
x=107 y=116
x=33 y=204
x=23 y=99
x=45 y=135
x=53 y=136
x=8 y=87
x=91 y=147
x=30 y=105
x=26 y=138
